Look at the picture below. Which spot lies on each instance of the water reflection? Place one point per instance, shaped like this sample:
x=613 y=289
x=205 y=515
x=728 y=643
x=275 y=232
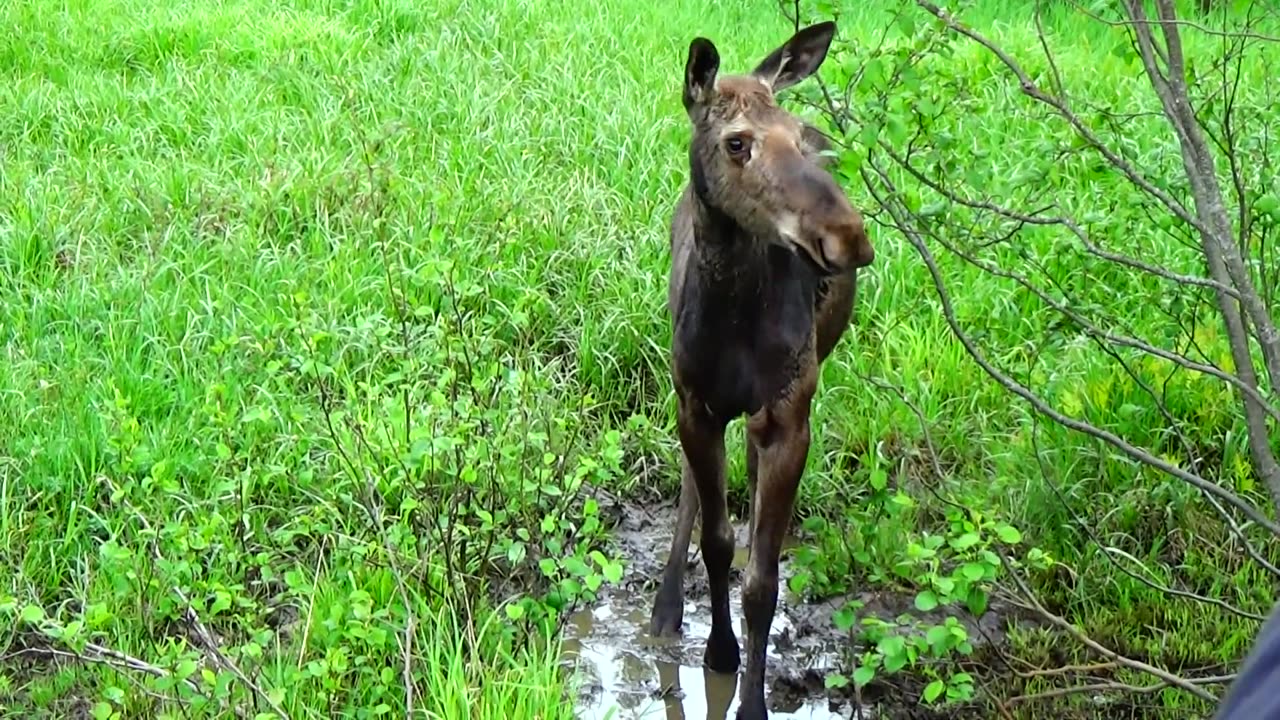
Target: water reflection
x=627 y=675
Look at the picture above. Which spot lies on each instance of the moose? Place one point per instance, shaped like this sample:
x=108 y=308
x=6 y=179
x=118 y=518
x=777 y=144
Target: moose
x=765 y=249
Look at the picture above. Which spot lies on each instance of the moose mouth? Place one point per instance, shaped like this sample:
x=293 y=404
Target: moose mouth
x=811 y=252
x=813 y=257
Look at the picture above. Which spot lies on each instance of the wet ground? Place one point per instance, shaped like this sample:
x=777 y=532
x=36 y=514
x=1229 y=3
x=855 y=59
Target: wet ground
x=624 y=672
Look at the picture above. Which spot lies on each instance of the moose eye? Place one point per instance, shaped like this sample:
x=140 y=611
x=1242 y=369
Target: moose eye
x=735 y=145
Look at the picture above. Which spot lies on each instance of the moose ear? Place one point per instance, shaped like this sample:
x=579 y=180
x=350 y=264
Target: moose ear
x=797 y=58
x=700 y=71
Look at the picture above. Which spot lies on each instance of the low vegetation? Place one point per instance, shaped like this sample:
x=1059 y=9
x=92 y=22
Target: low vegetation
x=330 y=326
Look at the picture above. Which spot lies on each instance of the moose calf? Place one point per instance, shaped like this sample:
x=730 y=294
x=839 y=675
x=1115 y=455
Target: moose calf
x=765 y=250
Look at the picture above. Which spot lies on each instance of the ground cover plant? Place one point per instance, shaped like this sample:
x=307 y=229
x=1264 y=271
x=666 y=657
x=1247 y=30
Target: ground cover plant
x=332 y=327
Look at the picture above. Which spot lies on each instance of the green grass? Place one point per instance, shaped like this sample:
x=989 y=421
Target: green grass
x=235 y=236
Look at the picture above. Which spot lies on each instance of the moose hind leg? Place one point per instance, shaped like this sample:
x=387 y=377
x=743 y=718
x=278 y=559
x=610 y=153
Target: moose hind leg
x=702 y=438
x=668 y=605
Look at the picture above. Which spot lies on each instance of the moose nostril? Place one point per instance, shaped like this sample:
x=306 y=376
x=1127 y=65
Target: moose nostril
x=845 y=245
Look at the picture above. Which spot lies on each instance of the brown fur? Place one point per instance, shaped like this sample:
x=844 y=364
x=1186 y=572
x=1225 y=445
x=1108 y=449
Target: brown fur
x=765 y=249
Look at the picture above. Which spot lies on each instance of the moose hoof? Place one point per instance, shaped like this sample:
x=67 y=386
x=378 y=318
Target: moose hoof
x=722 y=655
x=665 y=624
x=753 y=710
x=667 y=618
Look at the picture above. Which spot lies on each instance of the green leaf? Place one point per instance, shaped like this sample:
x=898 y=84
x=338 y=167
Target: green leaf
x=977 y=602
x=1130 y=410
x=974 y=571
x=32 y=614
x=835 y=680
x=814 y=524
x=933 y=690
x=946 y=585
x=879 y=479
x=965 y=541
x=1008 y=534
x=867 y=136
x=515 y=611
x=897 y=130
x=613 y=572
x=926 y=601
x=576 y=566
x=863 y=675
x=571 y=587
x=891 y=646
x=936 y=635
x=843 y=618
x=907 y=23
x=874 y=73
x=1269 y=204
x=516 y=553
x=934 y=208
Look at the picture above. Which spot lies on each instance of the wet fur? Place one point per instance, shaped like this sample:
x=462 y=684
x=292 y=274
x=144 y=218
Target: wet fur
x=752 y=321
x=833 y=297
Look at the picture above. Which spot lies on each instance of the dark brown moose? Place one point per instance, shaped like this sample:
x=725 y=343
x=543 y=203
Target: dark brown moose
x=765 y=250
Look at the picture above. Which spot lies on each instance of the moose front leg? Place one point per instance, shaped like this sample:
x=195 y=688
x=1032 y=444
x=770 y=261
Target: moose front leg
x=781 y=435
x=702 y=440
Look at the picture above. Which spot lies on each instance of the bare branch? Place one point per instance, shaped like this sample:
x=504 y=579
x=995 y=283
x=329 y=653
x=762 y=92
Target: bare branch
x=1029 y=88
x=1231 y=34
x=1088 y=529
x=1221 y=252
x=1113 y=686
x=898 y=213
x=1037 y=218
x=205 y=638
x=102 y=655
x=1122 y=340
x=1168 y=678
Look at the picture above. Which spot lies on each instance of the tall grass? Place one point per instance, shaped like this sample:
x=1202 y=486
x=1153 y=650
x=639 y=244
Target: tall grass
x=196 y=205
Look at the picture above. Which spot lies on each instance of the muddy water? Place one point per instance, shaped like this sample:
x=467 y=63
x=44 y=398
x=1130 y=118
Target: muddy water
x=624 y=672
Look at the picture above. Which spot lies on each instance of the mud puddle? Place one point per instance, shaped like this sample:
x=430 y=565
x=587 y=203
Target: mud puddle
x=623 y=672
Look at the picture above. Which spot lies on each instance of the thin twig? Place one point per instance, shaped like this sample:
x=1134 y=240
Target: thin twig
x=205 y=637
x=101 y=655
x=1234 y=34
x=1025 y=393
x=1167 y=677
x=1113 y=686
x=1088 y=530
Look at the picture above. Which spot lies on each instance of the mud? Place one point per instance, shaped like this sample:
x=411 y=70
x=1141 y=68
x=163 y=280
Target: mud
x=624 y=672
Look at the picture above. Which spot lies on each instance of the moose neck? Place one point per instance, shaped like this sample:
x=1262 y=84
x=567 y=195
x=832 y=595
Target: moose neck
x=748 y=275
